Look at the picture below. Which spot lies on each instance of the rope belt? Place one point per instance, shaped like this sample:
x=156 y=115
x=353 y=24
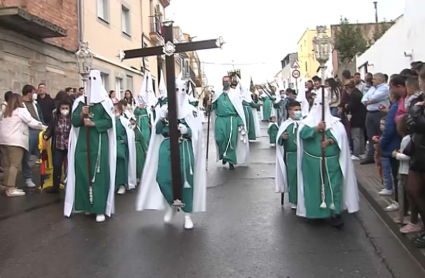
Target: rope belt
x=97 y=165
x=229 y=143
x=322 y=189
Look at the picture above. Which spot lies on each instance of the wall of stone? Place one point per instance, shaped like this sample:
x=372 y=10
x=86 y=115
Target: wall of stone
x=28 y=61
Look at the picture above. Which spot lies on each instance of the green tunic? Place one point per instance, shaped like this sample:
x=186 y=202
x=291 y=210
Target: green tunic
x=143 y=122
x=311 y=165
x=194 y=103
x=164 y=176
x=226 y=128
x=249 y=118
x=141 y=149
x=162 y=102
x=121 y=174
x=290 y=146
x=98 y=138
x=267 y=108
x=272 y=131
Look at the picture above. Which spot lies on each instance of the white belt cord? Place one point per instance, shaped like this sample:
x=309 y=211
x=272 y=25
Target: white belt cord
x=229 y=143
x=322 y=193
x=97 y=165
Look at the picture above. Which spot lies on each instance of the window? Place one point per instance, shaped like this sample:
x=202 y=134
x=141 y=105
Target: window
x=105 y=80
x=103 y=10
x=306 y=68
x=130 y=83
x=119 y=90
x=301 y=48
x=125 y=20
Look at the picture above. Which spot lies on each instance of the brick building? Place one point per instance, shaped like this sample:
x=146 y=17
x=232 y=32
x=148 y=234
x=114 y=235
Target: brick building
x=38 y=41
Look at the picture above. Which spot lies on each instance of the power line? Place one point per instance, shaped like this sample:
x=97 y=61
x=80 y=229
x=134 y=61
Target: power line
x=237 y=64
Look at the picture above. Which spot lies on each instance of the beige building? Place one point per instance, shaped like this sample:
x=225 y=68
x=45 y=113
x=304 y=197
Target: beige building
x=307 y=62
x=110 y=26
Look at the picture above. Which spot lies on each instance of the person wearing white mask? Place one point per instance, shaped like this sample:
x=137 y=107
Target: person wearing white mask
x=92 y=189
x=286 y=153
x=59 y=129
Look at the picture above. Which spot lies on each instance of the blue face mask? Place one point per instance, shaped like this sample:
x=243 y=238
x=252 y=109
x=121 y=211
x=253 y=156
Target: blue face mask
x=297 y=115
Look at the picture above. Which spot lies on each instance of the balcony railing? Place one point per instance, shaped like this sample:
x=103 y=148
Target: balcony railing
x=156 y=25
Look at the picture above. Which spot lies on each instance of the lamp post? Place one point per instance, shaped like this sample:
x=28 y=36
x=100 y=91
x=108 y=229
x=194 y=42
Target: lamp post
x=84 y=62
x=322 y=50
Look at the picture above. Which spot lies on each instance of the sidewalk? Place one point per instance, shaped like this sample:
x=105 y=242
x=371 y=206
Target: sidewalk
x=369 y=185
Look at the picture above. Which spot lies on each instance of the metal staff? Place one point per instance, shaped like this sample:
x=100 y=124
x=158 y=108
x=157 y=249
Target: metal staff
x=285 y=143
x=208 y=129
x=88 y=151
x=323 y=150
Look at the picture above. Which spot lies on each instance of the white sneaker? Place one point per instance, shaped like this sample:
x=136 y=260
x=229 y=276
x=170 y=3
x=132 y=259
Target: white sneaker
x=272 y=145
x=169 y=215
x=362 y=156
x=29 y=183
x=100 y=218
x=14 y=193
x=188 y=224
x=294 y=207
x=121 y=190
x=353 y=157
x=393 y=207
x=385 y=192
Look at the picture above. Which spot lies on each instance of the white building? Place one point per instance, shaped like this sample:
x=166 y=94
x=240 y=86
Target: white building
x=402 y=44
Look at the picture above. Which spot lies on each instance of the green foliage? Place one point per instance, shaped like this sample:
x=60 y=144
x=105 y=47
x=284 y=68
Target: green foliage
x=349 y=41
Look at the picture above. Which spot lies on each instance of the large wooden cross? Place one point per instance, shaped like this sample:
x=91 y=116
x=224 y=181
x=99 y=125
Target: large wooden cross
x=169 y=49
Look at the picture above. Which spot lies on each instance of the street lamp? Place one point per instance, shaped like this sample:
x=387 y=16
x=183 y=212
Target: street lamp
x=322 y=49
x=84 y=62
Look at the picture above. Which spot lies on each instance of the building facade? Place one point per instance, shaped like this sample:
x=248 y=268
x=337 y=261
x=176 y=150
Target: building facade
x=306 y=60
x=286 y=73
x=44 y=50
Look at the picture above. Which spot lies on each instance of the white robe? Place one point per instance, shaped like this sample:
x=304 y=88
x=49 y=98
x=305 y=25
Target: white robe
x=242 y=149
x=73 y=137
x=149 y=195
x=131 y=138
x=350 y=194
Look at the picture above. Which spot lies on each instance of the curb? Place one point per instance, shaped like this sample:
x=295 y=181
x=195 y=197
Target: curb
x=417 y=255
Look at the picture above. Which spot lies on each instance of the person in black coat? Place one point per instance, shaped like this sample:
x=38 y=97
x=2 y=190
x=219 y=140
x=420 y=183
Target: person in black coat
x=356 y=114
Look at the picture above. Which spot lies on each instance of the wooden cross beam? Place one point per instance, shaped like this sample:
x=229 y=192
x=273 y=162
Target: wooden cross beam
x=170 y=49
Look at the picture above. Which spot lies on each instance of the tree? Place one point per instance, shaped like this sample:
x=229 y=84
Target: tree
x=381 y=29
x=349 y=41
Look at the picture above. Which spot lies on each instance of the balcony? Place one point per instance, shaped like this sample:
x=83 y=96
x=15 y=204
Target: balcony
x=28 y=24
x=155 y=33
x=192 y=76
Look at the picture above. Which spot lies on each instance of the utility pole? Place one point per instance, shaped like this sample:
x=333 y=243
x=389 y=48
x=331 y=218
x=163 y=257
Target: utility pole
x=376 y=11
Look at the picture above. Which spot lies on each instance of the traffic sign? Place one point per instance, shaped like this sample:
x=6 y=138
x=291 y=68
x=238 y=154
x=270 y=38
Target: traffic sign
x=295 y=65
x=296 y=74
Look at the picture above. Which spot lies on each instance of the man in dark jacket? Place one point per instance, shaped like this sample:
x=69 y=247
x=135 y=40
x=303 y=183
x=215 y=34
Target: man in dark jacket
x=46 y=103
x=356 y=115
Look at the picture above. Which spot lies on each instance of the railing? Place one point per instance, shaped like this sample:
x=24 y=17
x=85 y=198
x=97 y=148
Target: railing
x=156 y=25
x=192 y=75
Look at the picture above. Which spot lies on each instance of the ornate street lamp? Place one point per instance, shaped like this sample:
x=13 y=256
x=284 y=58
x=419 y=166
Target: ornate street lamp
x=322 y=49
x=84 y=62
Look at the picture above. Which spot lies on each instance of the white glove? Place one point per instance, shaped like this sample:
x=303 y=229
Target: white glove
x=164 y=113
x=183 y=129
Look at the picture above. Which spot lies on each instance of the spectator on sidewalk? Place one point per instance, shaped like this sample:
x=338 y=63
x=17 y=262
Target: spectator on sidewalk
x=28 y=101
x=413 y=91
x=4 y=103
x=403 y=171
x=375 y=99
x=80 y=92
x=360 y=84
x=58 y=130
x=113 y=97
x=389 y=142
x=335 y=96
x=14 y=141
x=398 y=86
x=46 y=103
x=357 y=115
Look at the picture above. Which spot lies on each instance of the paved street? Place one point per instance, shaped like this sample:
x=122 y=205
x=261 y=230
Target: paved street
x=245 y=233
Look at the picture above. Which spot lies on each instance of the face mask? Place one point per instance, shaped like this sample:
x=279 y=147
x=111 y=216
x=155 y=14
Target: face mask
x=226 y=85
x=297 y=115
x=133 y=126
x=65 y=112
x=282 y=96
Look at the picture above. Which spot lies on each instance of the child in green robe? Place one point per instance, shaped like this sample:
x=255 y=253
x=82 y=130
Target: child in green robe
x=272 y=131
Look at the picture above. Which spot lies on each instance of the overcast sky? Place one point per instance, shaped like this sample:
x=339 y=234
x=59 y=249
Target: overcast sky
x=263 y=32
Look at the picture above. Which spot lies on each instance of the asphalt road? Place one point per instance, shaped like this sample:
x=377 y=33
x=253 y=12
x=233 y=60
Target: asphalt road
x=244 y=234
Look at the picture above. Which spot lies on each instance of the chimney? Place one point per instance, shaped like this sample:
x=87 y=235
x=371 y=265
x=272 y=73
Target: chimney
x=376 y=11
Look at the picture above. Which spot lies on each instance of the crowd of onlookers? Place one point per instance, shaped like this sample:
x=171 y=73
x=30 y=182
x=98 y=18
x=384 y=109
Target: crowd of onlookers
x=385 y=122
x=22 y=117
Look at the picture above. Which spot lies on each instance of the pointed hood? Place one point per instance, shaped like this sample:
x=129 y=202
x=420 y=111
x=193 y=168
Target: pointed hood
x=151 y=98
x=301 y=98
x=245 y=93
x=143 y=98
x=162 y=88
x=96 y=93
x=315 y=115
x=183 y=106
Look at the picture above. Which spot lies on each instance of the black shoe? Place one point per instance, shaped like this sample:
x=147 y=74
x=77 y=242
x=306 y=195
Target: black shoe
x=51 y=190
x=367 y=160
x=231 y=167
x=337 y=222
x=223 y=162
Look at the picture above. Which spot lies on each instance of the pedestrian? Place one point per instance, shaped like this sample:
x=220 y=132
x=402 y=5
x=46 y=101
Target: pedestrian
x=58 y=130
x=329 y=190
x=335 y=96
x=375 y=100
x=398 y=85
x=157 y=178
x=272 y=130
x=113 y=97
x=357 y=117
x=360 y=84
x=131 y=103
x=125 y=175
x=92 y=189
x=286 y=154
x=45 y=102
x=414 y=93
x=14 y=140
x=33 y=108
